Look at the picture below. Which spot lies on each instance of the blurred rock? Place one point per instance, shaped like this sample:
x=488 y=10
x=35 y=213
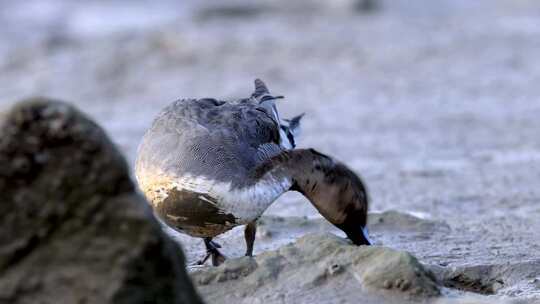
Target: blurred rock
x=240 y=10
x=509 y=277
x=367 y=6
x=400 y=222
x=72 y=227
x=231 y=11
x=314 y=268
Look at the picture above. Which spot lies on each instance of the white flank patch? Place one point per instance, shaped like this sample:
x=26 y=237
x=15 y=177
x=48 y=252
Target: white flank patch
x=284 y=140
x=246 y=204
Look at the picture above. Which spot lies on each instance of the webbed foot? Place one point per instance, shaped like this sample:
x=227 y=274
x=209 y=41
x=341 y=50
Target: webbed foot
x=212 y=251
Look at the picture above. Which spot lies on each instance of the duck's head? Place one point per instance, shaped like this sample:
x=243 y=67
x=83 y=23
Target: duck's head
x=336 y=191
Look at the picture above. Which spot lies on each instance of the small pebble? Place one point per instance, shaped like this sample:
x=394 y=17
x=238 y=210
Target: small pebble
x=265 y=233
x=334 y=269
x=221 y=277
x=406 y=284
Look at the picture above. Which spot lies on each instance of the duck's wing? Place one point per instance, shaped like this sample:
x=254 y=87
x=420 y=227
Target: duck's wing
x=208 y=137
x=247 y=128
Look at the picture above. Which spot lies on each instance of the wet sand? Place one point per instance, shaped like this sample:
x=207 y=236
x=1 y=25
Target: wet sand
x=435 y=104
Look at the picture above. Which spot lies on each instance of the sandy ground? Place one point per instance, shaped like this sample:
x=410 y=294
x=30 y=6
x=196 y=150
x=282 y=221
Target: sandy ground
x=434 y=103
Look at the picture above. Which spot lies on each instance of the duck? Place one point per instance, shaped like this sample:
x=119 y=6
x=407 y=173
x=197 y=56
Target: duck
x=208 y=165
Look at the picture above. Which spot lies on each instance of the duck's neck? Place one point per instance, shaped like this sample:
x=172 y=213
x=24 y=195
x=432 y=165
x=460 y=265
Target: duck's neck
x=336 y=191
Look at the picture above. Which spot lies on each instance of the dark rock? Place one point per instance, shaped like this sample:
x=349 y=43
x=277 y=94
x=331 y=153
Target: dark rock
x=231 y=11
x=72 y=227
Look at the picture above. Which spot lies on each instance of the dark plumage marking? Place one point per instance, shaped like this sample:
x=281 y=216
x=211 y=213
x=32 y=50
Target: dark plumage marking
x=329 y=178
x=193 y=209
x=236 y=126
x=212 y=114
x=291 y=139
x=297 y=157
x=319 y=154
x=260 y=88
x=263 y=110
x=210 y=102
x=344 y=188
x=237 y=115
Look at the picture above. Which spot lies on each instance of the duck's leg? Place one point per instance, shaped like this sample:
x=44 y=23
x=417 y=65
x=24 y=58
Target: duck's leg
x=249 y=235
x=207 y=255
x=211 y=251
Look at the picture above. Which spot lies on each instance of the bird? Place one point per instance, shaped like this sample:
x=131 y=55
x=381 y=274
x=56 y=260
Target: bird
x=208 y=165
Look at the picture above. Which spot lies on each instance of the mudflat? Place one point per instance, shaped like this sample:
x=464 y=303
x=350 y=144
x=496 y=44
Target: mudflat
x=434 y=103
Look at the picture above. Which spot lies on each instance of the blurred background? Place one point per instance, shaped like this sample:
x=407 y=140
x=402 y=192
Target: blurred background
x=435 y=103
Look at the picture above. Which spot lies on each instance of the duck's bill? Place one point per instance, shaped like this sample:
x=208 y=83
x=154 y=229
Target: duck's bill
x=365 y=234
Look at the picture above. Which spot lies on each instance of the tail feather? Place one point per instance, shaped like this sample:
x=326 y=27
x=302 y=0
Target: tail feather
x=260 y=89
x=286 y=128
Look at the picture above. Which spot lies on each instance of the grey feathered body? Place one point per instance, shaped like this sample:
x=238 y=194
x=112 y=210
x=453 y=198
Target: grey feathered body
x=220 y=140
x=195 y=164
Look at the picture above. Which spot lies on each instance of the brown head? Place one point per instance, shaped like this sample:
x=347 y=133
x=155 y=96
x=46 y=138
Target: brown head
x=337 y=192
